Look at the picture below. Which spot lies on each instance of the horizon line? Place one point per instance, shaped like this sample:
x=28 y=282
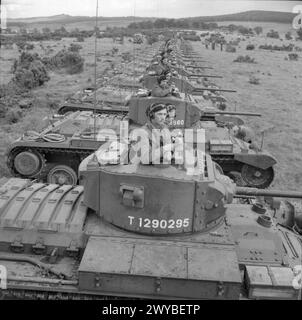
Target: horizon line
x=131 y=16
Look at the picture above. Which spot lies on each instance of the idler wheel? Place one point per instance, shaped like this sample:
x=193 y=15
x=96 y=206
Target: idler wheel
x=61 y=174
x=28 y=163
x=256 y=177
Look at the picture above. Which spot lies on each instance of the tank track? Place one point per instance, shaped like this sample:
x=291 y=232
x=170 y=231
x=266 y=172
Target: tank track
x=83 y=154
x=222 y=160
x=52 y=295
x=43 y=152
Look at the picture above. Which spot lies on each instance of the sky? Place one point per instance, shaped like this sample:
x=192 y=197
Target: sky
x=142 y=8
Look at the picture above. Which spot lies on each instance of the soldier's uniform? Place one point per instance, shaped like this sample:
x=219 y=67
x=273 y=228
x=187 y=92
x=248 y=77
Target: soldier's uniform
x=159 y=142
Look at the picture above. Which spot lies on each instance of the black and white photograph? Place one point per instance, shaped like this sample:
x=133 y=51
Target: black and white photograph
x=150 y=151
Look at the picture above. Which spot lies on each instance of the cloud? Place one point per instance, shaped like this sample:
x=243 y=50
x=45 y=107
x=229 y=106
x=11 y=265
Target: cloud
x=15 y=8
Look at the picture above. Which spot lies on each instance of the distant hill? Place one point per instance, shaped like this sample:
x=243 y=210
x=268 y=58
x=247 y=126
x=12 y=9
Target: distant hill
x=64 y=19
x=51 y=19
x=256 y=15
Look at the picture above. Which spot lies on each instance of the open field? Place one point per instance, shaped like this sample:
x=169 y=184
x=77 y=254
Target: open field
x=282 y=28
x=278 y=96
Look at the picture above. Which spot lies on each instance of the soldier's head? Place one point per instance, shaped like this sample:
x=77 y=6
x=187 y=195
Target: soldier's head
x=162 y=81
x=171 y=111
x=157 y=114
x=168 y=76
x=164 y=60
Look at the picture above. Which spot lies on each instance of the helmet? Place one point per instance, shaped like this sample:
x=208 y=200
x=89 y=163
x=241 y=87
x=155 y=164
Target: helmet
x=154 y=107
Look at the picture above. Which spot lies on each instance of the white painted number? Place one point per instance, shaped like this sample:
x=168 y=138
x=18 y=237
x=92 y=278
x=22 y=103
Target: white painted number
x=178 y=122
x=159 y=224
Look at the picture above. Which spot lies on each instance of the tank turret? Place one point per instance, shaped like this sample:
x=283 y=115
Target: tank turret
x=183 y=204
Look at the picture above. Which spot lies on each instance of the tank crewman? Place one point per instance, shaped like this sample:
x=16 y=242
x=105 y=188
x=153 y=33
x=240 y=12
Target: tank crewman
x=168 y=76
x=163 y=89
x=170 y=120
x=155 y=144
x=244 y=133
x=156 y=132
x=164 y=65
x=155 y=66
x=159 y=66
x=206 y=42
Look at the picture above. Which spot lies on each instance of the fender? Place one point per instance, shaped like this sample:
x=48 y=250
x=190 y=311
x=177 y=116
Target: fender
x=262 y=161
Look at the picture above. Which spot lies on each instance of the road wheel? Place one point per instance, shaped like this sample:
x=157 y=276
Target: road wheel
x=28 y=163
x=256 y=177
x=62 y=174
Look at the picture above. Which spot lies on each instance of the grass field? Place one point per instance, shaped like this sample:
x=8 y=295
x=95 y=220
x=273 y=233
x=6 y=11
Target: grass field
x=278 y=97
x=282 y=28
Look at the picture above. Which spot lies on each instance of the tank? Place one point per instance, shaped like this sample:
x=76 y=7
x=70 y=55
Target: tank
x=147 y=232
x=55 y=154
x=109 y=97
x=190 y=85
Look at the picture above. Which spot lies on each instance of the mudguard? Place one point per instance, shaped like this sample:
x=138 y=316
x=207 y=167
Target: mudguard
x=262 y=161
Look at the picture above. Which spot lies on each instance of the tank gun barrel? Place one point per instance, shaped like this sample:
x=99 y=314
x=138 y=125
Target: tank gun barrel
x=198 y=67
x=212 y=89
x=193 y=60
x=244 y=191
x=190 y=55
x=250 y=114
x=204 y=76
